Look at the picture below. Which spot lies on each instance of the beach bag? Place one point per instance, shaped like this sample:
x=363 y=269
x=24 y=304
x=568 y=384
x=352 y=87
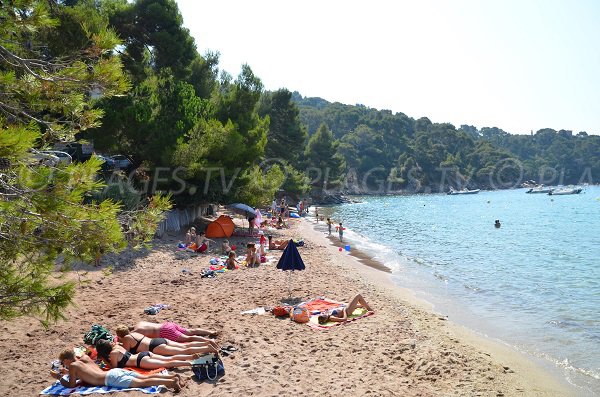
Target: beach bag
x=208 y=367
x=281 y=311
x=96 y=333
x=300 y=314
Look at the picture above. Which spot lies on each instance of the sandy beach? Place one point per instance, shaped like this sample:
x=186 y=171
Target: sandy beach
x=403 y=349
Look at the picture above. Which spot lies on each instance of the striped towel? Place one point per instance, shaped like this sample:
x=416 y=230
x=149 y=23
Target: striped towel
x=59 y=390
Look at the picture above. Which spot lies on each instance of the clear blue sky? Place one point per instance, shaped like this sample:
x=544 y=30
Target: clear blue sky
x=519 y=65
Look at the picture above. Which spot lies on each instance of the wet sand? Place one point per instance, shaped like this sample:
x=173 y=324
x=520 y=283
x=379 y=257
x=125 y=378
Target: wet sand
x=404 y=349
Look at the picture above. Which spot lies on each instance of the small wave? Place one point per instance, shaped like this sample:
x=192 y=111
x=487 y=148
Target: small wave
x=472 y=288
x=440 y=276
x=562 y=323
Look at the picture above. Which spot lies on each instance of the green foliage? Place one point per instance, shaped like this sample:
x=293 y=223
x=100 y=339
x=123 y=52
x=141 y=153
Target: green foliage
x=47 y=217
x=286 y=136
x=52 y=88
x=296 y=183
x=258 y=187
x=322 y=156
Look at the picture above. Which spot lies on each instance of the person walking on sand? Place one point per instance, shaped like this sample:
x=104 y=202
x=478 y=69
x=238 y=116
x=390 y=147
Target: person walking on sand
x=341 y=232
x=329 y=224
x=85 y=370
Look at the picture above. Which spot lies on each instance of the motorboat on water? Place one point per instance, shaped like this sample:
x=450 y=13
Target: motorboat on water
x=565 y=190
x=540 y=189
x=463 y=191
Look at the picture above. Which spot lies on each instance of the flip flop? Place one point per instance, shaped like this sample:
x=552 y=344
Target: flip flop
x=227 y=350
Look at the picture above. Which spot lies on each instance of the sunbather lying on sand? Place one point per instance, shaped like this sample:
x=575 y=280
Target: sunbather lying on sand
x=85 y=370
x=341 y=314
x=135 y=342
x=277 y=244
x=174 y=332
x=118 y=357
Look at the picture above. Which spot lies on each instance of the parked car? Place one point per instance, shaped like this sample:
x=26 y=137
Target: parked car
x=122 y=162
x=64 y=158
x=78 y=151
x=41 y=158
x=109 y=164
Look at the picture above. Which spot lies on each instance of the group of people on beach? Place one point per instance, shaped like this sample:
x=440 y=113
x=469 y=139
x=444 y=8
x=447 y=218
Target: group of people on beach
x=196 y=242
x=146 y=346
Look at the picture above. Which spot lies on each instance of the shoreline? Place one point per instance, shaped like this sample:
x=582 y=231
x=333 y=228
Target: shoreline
x=540 y=376
x=403 y=349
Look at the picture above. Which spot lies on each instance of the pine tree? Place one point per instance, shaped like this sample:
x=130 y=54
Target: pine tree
x=46 y=211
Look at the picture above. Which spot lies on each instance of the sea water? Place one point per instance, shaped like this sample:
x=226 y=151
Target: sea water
x=533 y=283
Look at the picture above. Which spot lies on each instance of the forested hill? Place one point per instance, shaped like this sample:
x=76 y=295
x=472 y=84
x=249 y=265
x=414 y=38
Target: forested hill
x=392 y=151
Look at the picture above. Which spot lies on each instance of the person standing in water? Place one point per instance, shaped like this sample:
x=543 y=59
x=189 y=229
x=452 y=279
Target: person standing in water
x=329 y=223
x=341 y=232
x=497 y=224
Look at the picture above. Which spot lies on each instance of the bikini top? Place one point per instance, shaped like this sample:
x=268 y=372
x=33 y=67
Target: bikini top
x=133 y=350
x=123 y=361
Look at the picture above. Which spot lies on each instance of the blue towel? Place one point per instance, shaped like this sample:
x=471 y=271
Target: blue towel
x=60 y=390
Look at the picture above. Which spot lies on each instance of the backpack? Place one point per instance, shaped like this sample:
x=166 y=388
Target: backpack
x=300 y=314
x=96 y=333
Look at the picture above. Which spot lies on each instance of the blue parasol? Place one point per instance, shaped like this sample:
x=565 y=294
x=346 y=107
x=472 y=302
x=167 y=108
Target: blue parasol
x=242 y=209
x=290 y=260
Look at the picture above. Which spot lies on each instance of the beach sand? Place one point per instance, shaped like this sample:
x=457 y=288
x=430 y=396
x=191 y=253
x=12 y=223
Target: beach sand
x=404 y=349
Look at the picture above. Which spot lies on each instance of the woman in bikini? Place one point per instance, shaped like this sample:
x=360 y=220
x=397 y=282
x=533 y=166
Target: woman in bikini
x=135 y=342
x=341 y=314
x=174 y=332
x=118 y=357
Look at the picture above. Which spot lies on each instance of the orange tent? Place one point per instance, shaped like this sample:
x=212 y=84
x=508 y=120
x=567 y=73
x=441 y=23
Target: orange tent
x=221 y=227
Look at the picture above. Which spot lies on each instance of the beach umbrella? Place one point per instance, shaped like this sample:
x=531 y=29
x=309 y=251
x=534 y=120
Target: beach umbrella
x=242 y=209
x=290 y=260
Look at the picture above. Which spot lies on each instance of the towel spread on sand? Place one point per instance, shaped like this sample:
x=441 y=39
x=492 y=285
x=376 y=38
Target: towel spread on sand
x=319 y=305
x=358 y=313
x=59 y=390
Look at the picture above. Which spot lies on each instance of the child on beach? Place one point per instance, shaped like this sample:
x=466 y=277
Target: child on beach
x=231 y=261
x=329 y=223
x=225 y=247
x=202 y=243
x=252 y=257
x=341 y=232
x=190 y=236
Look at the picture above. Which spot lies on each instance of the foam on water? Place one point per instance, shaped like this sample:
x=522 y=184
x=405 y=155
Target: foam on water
x=534 y=283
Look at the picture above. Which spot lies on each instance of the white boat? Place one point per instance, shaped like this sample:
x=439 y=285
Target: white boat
x=463 y=191
x=565 y=190
x=539 y=189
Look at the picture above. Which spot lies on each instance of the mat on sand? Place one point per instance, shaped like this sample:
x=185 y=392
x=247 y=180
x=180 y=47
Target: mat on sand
x=59 y=390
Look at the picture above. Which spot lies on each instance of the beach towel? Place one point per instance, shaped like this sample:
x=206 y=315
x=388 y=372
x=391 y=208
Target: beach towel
x=59 y=390
x=316 y=306
x=358 y=313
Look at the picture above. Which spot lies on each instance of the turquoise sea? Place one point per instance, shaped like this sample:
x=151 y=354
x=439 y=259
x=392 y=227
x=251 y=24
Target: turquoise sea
x=533 y=283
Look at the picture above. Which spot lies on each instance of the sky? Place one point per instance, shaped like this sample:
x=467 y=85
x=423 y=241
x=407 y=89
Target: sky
x=519 y=65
